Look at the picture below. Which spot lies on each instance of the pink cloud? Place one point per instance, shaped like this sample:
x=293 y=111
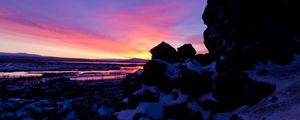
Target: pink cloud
x=126 y=32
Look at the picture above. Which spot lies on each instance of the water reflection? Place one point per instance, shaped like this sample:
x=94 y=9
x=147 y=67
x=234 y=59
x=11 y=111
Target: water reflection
x=74 y=75
x=19 y=74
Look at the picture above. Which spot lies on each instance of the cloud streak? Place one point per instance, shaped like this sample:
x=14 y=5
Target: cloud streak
x=119 y=30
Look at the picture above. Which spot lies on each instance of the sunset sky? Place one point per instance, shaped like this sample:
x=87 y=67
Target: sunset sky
x=99 y=28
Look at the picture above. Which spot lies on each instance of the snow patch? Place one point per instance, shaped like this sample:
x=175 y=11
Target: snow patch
x=153 y=110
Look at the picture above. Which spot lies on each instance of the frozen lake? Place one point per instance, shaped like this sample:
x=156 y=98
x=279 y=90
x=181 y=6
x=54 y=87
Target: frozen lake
x=74 y=74
x=73 y=70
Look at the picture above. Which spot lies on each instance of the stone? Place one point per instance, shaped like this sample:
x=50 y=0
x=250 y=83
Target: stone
x=195 y=84
x=205 y=59
x=248 y=31
x=131 y=83
x=164 y=51
x=154 y=72
x=186 y=51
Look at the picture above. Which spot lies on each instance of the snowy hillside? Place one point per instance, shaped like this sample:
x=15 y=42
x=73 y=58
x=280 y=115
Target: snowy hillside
x=284 y=104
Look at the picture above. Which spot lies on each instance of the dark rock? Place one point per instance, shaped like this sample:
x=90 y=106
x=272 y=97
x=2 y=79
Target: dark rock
x=205 y=59
x=235 y=117
x=251 y=31
x=178 y=111
x=131 y=83
x=228 y=90
x=262 y=72
x=165 y=52
x=141 y=116
x=167 y=85
x=195 y=84
x=147 y=96
x=186 y=51
x=154 y=72
x=240 y=90
x=195 y=116
x=256 y=91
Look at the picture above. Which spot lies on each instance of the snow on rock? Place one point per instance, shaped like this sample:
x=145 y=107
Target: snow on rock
x=105 y=111
x=141 y=91
x=280 y=75
x=153 y=110
x=208 y=97
x=192 y=65
x=126 y=114
x=180 y=99
x=164 y=102
x=173 y=69
x=208 y=87
x=170 y=99
x=284 y=104
x=71 y=116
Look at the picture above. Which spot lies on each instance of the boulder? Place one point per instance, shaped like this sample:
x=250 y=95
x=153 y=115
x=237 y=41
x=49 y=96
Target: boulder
x=195 y=84
x=164 y=51
x=154 y=72
x=252 y=32
x=131 y=83
x=205 y=59
x=237 y=89
x=186 y=51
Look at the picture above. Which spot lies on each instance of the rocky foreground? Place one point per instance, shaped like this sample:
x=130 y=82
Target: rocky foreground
x=59 y=99
x=187 y=86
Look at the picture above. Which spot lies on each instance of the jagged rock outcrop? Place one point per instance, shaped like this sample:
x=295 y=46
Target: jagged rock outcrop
x=191 y=89
x=239 y=35
x=186 y=51
x=251 y=30
x=164 y=51
x=244 y=33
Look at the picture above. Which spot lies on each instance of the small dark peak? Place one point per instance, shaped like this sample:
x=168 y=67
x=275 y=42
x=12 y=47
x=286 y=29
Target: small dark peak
x=205 y=59
x=262 y=72
x=186 y=51
x=164 y=51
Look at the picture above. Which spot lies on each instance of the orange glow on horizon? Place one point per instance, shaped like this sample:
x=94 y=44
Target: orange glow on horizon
x=115 y=33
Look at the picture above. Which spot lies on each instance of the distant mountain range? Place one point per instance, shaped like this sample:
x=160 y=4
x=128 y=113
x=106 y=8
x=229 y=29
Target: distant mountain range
x=35 y=56
x=19 y=54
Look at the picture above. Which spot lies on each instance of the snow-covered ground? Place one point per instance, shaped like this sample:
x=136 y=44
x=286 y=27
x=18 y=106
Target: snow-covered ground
x=284 y=104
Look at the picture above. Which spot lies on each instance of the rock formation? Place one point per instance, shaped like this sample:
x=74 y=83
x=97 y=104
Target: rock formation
x=251 y=30
x=193 y=89
x=186 y=51
x=164 y=51
x=239 y=35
